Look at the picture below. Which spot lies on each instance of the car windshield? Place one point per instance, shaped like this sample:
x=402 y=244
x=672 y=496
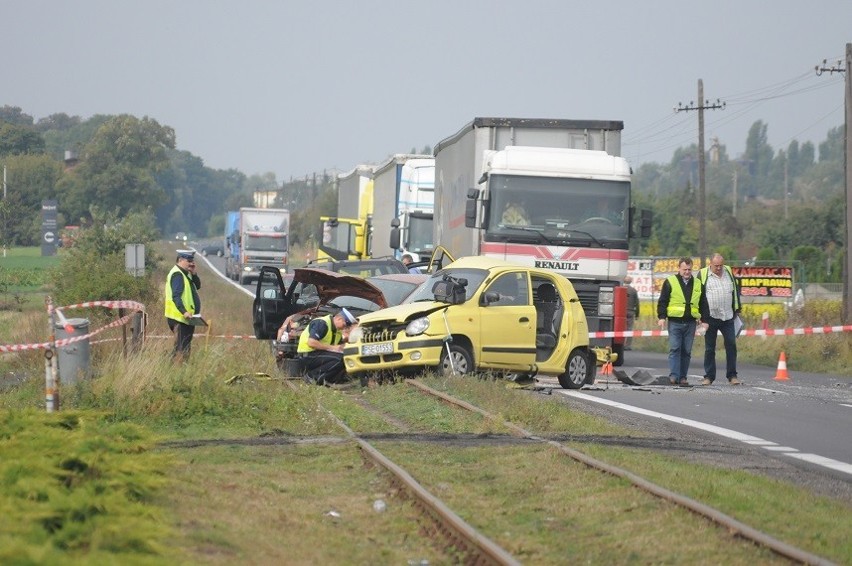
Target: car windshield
x=474 y=277
x=395 y=292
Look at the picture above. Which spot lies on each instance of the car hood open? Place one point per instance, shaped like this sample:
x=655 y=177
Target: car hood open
x=403 y=313
x=331 y=284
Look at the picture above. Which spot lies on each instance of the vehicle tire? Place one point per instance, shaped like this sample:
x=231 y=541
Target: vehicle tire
x=618 y=349
x=204 y=253
x=220 y=253
x=576 y=370
x=462 y=361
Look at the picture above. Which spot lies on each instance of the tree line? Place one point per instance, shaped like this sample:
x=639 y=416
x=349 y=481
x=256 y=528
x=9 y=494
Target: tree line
x=767 y=205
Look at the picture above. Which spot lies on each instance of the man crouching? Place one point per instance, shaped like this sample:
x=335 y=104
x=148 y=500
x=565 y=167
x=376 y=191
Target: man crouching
x=321 y=348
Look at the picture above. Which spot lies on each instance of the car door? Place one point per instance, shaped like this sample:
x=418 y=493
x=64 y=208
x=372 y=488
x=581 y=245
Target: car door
x=270 y=306
x=507 y=322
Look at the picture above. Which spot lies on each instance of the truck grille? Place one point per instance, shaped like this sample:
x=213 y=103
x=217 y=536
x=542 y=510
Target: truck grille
x=589 y=300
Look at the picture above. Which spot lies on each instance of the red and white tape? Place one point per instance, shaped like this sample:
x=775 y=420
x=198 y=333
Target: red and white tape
x=745 y=332
x=136 y=307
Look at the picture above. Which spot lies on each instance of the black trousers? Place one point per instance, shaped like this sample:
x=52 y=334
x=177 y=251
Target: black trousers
x=325 y=367
x=183 y=338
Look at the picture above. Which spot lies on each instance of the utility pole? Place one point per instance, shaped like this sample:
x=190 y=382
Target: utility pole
x=847 y=263
x=702 y=213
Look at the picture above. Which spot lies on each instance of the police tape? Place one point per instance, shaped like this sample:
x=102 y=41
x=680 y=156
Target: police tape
x=229 y=336
x=608 y=334
x=136 y=307
x=745 y=332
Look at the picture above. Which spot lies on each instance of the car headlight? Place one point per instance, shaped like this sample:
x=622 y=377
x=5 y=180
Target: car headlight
x=417 y=326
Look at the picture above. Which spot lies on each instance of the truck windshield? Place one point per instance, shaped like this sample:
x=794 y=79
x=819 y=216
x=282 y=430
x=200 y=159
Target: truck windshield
x=265 y=243
x=420 y=234
x=558 y=211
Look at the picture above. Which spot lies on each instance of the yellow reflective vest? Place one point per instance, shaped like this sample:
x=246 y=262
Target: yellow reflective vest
x=330 y=337
x=171 y=310
x=677 y=302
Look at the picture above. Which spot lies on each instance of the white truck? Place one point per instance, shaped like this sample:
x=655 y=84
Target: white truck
x=552 y=194
x=349 y=234
x=263 y=239
x=403 y=206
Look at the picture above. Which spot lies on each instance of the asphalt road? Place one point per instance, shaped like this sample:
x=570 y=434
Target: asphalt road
x=806 y=418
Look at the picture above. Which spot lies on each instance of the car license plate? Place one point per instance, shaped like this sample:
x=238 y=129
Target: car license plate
x=374 y=349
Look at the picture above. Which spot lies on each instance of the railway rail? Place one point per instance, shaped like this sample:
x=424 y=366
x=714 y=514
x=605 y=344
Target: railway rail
x=479 y=549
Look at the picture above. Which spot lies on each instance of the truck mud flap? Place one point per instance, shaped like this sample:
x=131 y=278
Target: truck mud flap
x=640 y=377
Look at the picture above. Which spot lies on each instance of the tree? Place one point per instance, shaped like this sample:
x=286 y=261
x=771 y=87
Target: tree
x=15 y=116
x=118 y=168
x=759 y=154
x=30 y=179
x=100 y=248
x=19 y=140
x=813 y=260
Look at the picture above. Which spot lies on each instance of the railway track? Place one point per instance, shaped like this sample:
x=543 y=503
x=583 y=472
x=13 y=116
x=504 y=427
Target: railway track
x=477 y=548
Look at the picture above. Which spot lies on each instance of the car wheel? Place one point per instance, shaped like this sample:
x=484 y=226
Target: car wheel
x=456 y=361
x=220 y=253
x=576 y=370
x=204 y=253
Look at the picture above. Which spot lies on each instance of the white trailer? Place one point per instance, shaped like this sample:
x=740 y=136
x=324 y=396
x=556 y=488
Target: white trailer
x=263 y=240
x=560 y=174
x=403 y=204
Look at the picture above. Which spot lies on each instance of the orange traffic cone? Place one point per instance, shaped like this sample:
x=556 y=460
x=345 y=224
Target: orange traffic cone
x=781 y=372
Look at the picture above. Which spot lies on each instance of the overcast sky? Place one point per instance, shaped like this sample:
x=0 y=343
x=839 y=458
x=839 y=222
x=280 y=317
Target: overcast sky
x=296 y=87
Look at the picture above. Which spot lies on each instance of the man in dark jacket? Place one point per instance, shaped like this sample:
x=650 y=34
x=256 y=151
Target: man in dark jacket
x=182 y=302
x=321 y=347
x=632 y=309
x=679 y=305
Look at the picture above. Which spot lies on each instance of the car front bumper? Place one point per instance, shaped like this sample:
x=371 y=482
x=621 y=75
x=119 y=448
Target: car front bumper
x=409 y=354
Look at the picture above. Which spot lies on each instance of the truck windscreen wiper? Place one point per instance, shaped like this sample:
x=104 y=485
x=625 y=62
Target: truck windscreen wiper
x=537 y=231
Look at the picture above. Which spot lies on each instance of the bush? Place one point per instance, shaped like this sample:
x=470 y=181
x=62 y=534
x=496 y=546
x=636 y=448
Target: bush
x=94 y=269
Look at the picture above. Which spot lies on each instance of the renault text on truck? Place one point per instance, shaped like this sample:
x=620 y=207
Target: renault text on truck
x=262 y=239
x=403 y=206
x=349 y=234
x=549 y=194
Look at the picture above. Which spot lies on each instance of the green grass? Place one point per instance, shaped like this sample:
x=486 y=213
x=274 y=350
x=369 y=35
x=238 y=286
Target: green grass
x=74 y=486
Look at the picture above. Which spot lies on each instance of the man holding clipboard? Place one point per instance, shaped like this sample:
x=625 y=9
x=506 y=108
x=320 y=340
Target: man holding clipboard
x=182 y=303
x=720 y=311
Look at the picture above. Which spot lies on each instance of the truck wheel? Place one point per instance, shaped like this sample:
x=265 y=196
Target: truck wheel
x=462 y=361
x=576 y=370
x=618 y=349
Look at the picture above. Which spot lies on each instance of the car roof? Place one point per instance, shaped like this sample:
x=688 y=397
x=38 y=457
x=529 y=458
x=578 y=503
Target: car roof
x=490 y=263
x=331 y=284
x=374 y=266
x=416 y=278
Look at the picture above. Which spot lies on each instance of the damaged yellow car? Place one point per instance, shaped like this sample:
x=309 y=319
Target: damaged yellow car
x=479 y=313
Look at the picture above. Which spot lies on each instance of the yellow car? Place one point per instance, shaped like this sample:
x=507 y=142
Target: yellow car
x=479 y=313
